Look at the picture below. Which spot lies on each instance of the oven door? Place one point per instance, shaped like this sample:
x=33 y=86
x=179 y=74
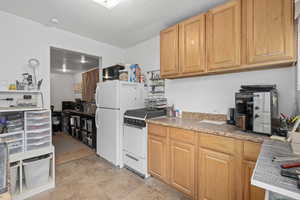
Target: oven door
x=135 y=140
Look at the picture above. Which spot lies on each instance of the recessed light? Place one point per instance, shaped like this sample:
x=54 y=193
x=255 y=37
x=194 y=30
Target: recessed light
x=64 y=67
x=54 y=21
x=83 y=60
x=109 y=4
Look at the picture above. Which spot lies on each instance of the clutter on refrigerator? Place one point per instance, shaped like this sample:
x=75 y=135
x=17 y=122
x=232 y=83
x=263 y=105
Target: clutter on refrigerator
x=135 y=74
x=156 y=91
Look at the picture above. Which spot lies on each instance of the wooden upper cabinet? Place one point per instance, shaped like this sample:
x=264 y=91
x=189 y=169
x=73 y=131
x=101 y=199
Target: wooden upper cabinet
x=169 y=51
x=217 y=175
x=224 y=36
x=270 y=30
x=192 y=45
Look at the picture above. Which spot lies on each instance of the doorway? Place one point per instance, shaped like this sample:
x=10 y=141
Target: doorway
x=74 y=77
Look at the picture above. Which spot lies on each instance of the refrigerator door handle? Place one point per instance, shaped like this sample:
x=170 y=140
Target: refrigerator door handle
x=97 y=96
x=97 y=119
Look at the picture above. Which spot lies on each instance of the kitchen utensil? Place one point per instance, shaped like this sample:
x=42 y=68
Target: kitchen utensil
x=285 y=158
x=291 y=174
x=288 y=166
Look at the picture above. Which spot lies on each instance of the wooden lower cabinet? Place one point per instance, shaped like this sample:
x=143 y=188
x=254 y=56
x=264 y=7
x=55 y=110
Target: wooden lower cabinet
x=183 y=167
x=216 y=176
x=157 y=157
x=251 y=192
x=203 y=166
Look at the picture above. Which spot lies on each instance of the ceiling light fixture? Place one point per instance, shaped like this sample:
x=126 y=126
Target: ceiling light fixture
x=64 y=67
x=109 y=4
x=83 y=60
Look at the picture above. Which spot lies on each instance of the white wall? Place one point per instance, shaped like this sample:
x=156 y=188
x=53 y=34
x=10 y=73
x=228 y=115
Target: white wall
x=146 y=54
x=215 y=93
x=61 y=89
x=22 y=39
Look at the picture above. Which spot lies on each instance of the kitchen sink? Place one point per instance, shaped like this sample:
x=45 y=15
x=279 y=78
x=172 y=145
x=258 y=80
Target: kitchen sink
x=213 y=122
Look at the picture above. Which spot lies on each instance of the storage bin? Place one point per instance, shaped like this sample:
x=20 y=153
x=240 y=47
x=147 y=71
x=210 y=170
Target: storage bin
x=40 y=126
x=36 y=140
x=10 y=137
x=37 y=146
x=15 y=150
x=38 y=120
x=36 y=171
x=37 y=114
x=14 y=177
x=15 y=144
x=42 y=133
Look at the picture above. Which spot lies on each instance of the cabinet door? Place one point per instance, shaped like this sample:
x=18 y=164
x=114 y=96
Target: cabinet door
x=183 y=167
x=224 y=36
x=84 y=86
x=192 y=45
x=157 y=157
x=270 y=30
x=216 y=176
x=169 y=51
x=251 y=192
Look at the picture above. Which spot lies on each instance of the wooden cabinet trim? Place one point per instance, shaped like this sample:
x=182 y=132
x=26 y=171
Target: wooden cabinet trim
x=234 y=60
x=288 y=50
x=183 y=178
x=251 y=150
x=164 y=52
x=217 y=143
x=157 y=130
x=161 y=163
x=206 y=175
x=183 y=135
x=192 y=45
x=251 y=192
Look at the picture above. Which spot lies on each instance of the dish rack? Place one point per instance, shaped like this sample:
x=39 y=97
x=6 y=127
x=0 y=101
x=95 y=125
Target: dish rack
x=37 y=130
x=156 y=91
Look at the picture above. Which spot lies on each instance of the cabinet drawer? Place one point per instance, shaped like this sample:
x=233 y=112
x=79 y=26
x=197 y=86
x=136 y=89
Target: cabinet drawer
x=251 y=150
x=157 y=130
x=217 y=143
x=183 y=135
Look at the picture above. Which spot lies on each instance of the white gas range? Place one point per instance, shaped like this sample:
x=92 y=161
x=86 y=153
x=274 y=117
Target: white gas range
x=135 y=138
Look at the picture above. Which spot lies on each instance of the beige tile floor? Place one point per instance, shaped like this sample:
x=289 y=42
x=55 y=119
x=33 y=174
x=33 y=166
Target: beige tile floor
x=92 y=178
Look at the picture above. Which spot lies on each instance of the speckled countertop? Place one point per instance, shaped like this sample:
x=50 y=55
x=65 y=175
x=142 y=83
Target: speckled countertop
x=197 y=126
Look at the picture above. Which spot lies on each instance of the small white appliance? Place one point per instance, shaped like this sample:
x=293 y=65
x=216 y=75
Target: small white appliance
x=113 y=98
x=135 y=138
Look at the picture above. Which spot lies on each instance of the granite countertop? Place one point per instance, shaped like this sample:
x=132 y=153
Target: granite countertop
x=221 y=130
x=267 y=173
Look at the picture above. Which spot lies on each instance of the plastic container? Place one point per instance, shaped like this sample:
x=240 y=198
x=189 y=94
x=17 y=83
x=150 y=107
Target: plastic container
x=15 y=150
x=42 y=133
x=36 y=146
x=10 y=137
x=36 y=140
x=40 y=126
x=37 y=114
x=38 y=120
x=14 y=177
x=37 y=171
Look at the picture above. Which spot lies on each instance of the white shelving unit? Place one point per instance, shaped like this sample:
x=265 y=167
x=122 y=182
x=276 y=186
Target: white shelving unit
x=20 y=93
x=37 y=141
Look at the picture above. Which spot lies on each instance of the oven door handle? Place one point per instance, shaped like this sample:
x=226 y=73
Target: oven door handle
x=131 y=157
x=133 y=126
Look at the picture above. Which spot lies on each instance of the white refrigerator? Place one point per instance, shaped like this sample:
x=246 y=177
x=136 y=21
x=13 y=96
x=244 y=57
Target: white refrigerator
x=113 y=98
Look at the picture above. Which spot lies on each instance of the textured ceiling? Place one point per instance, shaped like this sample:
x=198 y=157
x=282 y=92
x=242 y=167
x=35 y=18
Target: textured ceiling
x=72 y=60
x=131 y=22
